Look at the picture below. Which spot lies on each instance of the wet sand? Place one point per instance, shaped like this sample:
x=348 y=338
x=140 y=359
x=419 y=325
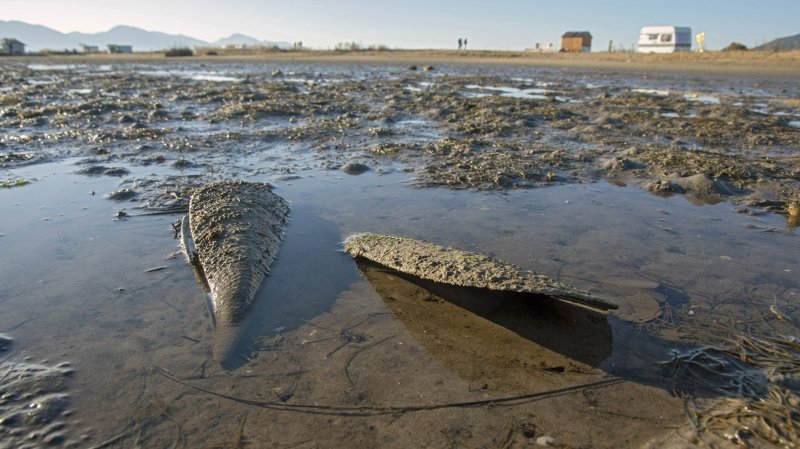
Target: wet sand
x=670 y=195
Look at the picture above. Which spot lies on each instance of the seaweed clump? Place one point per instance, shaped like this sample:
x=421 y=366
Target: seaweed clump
x=758 y=379
x=10 y=184
x=478 y=164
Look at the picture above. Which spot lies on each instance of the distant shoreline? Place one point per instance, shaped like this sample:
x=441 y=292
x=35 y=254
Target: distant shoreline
x=747 y=63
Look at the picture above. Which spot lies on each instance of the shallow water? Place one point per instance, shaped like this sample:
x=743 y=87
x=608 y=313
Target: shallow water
x=332 y=346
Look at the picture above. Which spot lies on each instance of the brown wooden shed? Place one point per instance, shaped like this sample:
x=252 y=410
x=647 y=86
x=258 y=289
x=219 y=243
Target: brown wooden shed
x=576 y=41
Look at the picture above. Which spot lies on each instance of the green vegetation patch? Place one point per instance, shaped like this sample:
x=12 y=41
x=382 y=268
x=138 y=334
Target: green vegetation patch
x=10 y=184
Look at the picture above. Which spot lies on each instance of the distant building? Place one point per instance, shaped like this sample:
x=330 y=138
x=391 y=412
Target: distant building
x=665 y=39
x=11 y=46
x=540 y=47
x=114 y=48
x=576 y=41
x=89 y=48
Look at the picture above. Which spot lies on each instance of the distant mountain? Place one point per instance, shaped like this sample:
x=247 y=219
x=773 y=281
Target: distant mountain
x=781 y=44
x=236 y=39
x=38 y=37
x=242 y=39
x=141 y=40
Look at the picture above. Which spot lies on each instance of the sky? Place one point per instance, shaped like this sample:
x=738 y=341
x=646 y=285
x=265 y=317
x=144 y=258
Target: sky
x=494 y=25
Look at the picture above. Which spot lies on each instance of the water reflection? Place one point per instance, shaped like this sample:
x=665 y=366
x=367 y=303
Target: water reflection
x=505 y=341
x=518 y=343
x=307 y=276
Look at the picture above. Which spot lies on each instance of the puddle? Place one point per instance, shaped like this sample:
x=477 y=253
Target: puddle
x=192 y=75
x=315 y=304
x=80 y=91
x=533 y=82
x=41 y=82
x=513 y=92
x=704 y=99
x=694 y=97
x=52 y=67
x=213 y=77
x=539 y=352
x=656 y=92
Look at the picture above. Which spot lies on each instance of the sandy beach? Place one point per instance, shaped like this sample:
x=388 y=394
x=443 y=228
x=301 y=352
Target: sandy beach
x=747 y=63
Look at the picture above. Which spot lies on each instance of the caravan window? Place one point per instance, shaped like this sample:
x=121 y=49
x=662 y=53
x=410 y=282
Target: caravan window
x=666 y=37
x=652 y=37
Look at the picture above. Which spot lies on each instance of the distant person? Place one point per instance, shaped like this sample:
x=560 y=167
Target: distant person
x=460 y=43
x=465 y=43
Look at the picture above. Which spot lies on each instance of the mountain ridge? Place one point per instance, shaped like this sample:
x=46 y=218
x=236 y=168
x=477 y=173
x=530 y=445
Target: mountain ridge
x=781 y=44
x=39 y=37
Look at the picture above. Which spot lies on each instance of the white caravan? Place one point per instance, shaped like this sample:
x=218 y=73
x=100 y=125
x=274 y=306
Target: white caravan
x=665 y=39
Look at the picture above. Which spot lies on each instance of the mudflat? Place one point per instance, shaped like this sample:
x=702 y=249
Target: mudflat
x=669 y=186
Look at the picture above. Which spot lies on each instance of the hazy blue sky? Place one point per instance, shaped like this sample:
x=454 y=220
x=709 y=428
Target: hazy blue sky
x=498 y=24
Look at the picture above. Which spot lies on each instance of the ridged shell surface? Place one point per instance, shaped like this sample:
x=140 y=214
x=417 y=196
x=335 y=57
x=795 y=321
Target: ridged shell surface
x=455 y=267
x=237 y=228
